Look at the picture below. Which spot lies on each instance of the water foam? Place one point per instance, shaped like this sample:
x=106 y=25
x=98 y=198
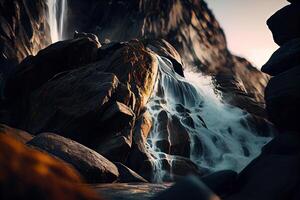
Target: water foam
x=218 y=133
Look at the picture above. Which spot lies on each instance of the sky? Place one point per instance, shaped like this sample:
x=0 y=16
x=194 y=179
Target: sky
x=244 y=23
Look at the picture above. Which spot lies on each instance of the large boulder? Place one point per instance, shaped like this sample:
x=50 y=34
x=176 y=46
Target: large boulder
x=285 y=24
x=92 y=166
x=274 y=175
x=285 y=58
x=282 y=100
x=29 y=174
x=34 y=71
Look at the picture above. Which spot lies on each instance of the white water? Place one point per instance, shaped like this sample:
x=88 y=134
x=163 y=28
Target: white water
x=57 y=18
x=226 y=143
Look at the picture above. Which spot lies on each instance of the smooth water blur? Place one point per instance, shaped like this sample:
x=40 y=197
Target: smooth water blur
x=219 y=137
x=57 y=18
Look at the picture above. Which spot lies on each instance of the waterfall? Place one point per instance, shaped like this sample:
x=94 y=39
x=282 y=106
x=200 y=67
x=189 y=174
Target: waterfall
x=57 y=18
x=190 y=111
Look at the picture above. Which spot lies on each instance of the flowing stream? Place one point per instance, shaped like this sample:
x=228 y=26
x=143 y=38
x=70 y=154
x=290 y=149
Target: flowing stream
x=190 y=111
x=57 y=18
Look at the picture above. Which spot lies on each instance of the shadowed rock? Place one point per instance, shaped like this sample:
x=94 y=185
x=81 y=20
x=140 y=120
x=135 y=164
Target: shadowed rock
x=127 y=175
x=285 y=24
x=285 y=58
x=93 y=167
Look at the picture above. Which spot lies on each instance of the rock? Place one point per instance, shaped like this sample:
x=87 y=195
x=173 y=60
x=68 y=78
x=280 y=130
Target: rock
x=18 y=135
x=116 y=148
x=189 y=188
x=34 y=71
x=282 y=31
x=127 y=175
x=221 y=182
x=93 y=167
x=179 y=138
x=24 y=31
x=274 y=174
x=189 y=26
x=117 y=116
x=285 y=58
x=134 y=66
x=73 y=105
x=176 y=167
x=163 y=48
x=139 y=159
x=89 y=35
x=28 y=174
x=282 y=100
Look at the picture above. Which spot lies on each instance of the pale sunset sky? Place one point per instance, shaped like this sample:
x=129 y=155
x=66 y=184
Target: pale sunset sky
x=244 y=23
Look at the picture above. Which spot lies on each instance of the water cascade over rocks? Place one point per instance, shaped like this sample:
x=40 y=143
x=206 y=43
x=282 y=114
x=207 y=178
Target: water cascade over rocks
x=188 y=114
x=57 y=18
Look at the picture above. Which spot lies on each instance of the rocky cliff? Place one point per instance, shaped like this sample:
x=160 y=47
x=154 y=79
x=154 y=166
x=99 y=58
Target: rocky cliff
x=189 y=26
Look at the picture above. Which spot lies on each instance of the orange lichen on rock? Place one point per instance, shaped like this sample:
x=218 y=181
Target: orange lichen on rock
x=28 y=174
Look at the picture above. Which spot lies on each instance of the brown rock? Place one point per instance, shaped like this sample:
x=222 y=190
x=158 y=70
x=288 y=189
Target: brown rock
x=18 y=135
x=28 y=174
x=93 y=167
x=24 y=31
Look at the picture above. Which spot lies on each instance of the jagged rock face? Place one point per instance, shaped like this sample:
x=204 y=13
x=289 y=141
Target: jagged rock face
x=23 y=30
x=189 y=26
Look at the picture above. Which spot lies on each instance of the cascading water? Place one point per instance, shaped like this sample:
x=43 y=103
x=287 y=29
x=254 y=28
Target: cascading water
x=217 y=133
x=57 y=18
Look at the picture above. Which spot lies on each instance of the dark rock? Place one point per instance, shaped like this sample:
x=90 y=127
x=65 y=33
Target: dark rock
x=139 y=159
x=89 y=35
x=34 y=71
x=93 y=167
x=18 y=135
x=165 y=49
x=177 y=167
x=285 y=24
x=127 y=175
x=24 y=31
x=222 y=182
x=285 y=58
x=116 y=148
x=274 y=175
x=117 y=116
x=73 y=105
x=282 y=100
x=28 y=174
x=189 y=188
